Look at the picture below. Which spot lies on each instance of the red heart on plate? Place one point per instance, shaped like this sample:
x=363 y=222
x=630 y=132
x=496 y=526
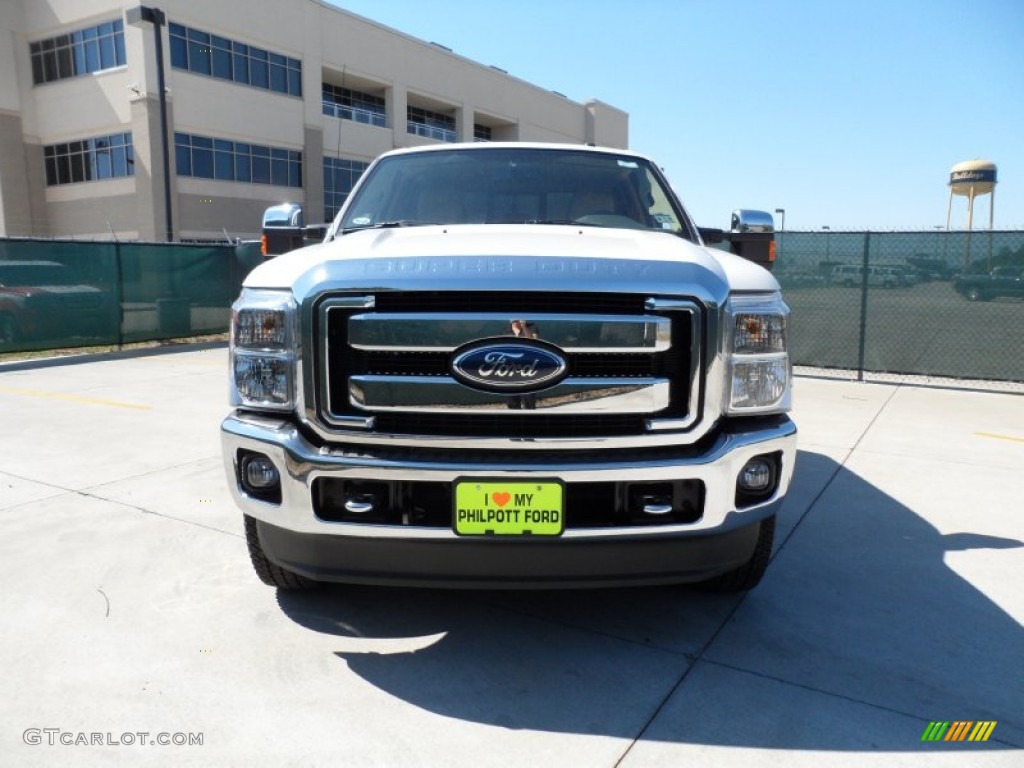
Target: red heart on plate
x=501 y=498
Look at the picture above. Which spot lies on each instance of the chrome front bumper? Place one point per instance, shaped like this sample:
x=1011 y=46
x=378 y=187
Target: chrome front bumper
x=300 y=463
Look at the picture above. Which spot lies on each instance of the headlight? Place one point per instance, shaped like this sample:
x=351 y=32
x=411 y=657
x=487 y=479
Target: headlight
x=264 y=348
x=757 y=356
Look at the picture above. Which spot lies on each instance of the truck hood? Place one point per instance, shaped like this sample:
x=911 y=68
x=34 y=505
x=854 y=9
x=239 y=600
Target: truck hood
x=512 y=257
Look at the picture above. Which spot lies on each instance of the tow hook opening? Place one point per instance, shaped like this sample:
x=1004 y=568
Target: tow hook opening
x=663 y=503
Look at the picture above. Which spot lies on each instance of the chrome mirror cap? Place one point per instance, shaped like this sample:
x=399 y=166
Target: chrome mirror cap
x=745 y=220
x=283 y=215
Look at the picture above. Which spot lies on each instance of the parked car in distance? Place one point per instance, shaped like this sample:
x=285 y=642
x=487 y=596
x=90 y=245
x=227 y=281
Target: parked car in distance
x=799 y=278
x=1001 y=281
x=880 y=275
x=927 y=268
x=41 y=300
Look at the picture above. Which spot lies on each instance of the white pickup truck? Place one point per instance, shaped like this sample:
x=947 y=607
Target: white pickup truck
x=511 y=365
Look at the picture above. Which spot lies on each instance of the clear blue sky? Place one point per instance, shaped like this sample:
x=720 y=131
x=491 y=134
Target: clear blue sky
x=845 y=114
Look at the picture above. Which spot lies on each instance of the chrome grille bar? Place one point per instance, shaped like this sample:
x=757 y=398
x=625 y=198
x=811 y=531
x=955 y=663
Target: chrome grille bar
x=437 y=332
x=434 y=394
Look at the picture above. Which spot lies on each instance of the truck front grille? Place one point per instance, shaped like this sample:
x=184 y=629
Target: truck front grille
x=384 y=364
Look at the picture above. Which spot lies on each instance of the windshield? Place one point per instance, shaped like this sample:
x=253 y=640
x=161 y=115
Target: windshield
x=513 y=186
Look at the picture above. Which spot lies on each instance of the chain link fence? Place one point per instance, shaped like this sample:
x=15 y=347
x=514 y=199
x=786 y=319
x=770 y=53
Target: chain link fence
x=58 y=294
x=940 y=304
x=881 y=303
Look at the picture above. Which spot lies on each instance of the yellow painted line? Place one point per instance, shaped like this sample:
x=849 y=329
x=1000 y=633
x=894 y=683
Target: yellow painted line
x=1000 y=437
x=72 y=398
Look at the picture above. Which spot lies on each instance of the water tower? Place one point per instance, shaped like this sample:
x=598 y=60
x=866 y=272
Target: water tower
x=972 y=179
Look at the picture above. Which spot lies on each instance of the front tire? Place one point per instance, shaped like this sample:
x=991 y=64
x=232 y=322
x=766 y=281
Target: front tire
x=748 y=575
x=269 y=573
x=974 y=294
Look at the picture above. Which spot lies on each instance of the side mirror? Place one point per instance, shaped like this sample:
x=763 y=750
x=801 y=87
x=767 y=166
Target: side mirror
x=745 y=220
x=752 y=236
x=283 y=215
x=282 y=229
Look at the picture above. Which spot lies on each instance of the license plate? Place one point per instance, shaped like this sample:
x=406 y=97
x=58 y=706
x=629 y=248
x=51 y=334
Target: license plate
x=508 y=508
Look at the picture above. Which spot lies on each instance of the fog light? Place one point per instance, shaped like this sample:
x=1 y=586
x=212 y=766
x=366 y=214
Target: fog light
x=260 y=473
x=756 y=476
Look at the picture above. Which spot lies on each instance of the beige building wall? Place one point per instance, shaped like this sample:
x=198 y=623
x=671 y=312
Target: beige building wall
x=17 y=212
x=333 y=45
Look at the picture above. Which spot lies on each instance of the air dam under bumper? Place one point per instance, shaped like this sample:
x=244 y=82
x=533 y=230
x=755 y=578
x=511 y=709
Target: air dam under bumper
x=294 y=538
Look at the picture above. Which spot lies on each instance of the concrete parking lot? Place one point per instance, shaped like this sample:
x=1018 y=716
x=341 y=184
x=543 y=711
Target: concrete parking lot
x=131 y=615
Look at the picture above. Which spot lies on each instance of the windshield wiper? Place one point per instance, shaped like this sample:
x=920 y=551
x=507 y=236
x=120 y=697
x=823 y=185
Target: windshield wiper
x=565 y=222
x=389 y=225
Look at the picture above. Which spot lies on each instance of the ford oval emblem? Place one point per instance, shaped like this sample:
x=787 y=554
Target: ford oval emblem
x=495 y=365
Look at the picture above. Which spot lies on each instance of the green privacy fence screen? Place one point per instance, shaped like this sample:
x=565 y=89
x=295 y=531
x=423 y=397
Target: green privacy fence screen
x=57 y=294
x=897 y=302
x=862 y=301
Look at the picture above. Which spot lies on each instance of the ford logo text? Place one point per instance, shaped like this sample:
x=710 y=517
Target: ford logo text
x=505 y=366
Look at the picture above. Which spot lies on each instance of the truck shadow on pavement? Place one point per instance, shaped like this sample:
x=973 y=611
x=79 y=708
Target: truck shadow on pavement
x=860 y=634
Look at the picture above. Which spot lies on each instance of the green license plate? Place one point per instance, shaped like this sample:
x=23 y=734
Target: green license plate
x=508 y=508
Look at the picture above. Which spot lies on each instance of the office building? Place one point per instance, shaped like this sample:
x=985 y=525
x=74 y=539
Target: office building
x=266 y=101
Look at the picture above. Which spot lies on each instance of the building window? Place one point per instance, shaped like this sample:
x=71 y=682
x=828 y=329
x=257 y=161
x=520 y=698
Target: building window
x=433 y=125
x=352 y=105
x=101 y=157
x=78 y=53
x=481 y=132
x=340 y=175
x=203 y=157
x=205 y=54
